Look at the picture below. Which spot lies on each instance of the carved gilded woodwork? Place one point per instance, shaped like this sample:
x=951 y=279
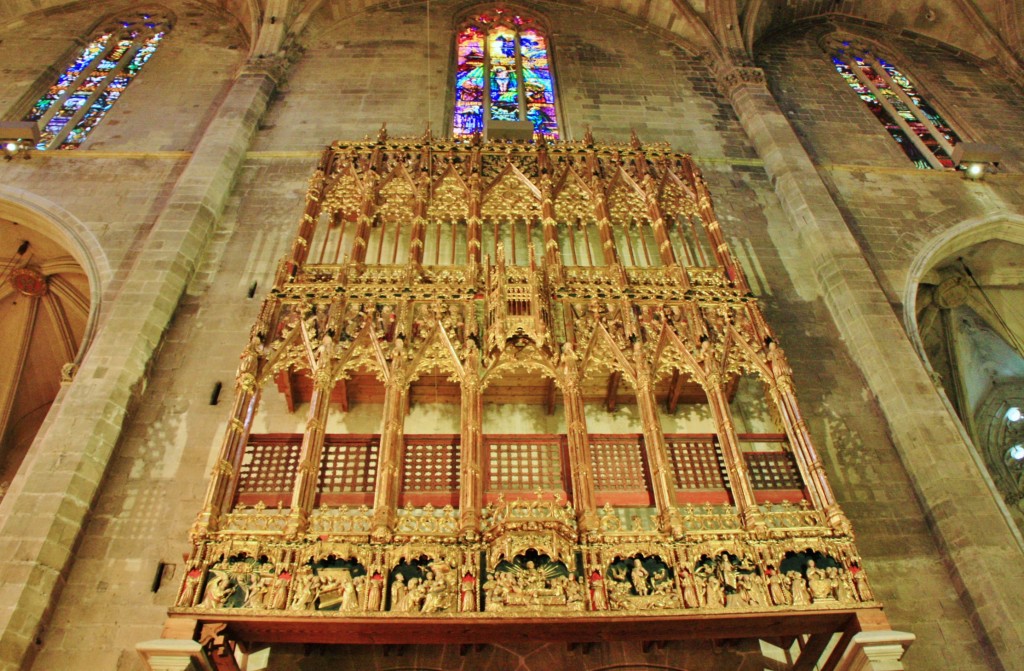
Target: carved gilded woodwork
x=685 y=322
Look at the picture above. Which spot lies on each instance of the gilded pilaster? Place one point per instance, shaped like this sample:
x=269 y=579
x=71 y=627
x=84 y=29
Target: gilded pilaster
x=581 y=467
x=736 y=467
x=392 y=447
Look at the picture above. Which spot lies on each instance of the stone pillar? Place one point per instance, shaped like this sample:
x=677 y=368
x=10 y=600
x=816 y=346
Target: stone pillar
x=581 y=466
x=471 y=478
x=392 y=448
x=875 y=651
x=735 y=465
x=984 y=552
x=657 y=454
x=47 y=504
x=311 y=452
x=167 y=654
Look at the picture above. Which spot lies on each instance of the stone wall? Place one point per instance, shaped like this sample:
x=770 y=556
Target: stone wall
x=359 y=71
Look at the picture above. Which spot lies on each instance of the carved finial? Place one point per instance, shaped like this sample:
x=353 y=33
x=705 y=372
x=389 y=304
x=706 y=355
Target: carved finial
x=427 y=135
x=634 y=139
x=382 y=134
x=588 y=137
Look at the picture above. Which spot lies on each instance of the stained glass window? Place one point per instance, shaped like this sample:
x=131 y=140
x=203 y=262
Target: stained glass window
x=86 y=90
x=503 y=74
x=913 y=123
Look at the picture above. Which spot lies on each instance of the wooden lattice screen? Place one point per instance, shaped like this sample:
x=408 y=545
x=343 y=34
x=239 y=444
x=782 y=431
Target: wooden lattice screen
x=431 y=464
x=267 y=472
x=621 y=474
x=524 y=463
x=773 y=470
x=697 y=462
x=348 y=469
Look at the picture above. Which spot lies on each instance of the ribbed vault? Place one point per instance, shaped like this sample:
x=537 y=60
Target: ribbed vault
x=729 y=29
x=44 y=309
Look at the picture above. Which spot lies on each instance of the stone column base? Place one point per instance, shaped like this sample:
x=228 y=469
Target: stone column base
x=164 y=654
x=875 y=651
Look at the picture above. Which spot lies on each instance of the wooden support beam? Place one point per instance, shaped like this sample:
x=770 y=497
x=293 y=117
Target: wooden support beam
x=286 y=385
x=342 y=391
x=869 y=620
x=549 y=400
x=811 y=651
x=675 y=390
x=613 y=390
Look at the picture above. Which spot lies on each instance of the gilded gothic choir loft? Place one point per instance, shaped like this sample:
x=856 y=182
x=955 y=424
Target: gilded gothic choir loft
x=677 y=335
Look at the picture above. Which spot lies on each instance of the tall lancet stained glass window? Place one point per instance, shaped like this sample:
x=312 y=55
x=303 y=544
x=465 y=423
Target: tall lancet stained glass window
x=92 y=83
x=919 y=129
x=503 y=74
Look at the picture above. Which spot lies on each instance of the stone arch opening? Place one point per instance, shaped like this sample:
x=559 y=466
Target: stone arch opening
x=49 y=287
x=961 y=313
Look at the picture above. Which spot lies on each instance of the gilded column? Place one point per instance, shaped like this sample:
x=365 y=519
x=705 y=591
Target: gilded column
x=311 y=452
x=736 y=467
x=656 y=451
x=581 y=467
x=419 y=226
x=392 y=448
x=223 y=480
x=552 y=260
x=475 y=214
x=723 y=255
x=471 y=479
x=811 y=469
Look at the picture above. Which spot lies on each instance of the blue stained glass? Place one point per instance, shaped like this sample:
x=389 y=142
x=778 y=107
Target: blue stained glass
x=113 y=91
x=504 y=76
x=869 y=98
x=71 y=94
x=469 y=83
x=540 y=92
x=68 y=77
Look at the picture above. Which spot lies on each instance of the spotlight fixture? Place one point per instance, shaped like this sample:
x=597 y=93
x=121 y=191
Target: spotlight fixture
x=976 y=159
x=18 y=138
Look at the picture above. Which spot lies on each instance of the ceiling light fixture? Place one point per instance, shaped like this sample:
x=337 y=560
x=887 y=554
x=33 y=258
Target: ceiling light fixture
x=18 y=138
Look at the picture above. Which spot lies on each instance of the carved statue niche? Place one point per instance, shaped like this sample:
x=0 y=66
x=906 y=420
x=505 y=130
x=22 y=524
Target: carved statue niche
x=533 y=581
x=423 y=585
x=238 y=582
x=640 y=583
x=817 y=578
x=729 y=580
x=339 y=585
